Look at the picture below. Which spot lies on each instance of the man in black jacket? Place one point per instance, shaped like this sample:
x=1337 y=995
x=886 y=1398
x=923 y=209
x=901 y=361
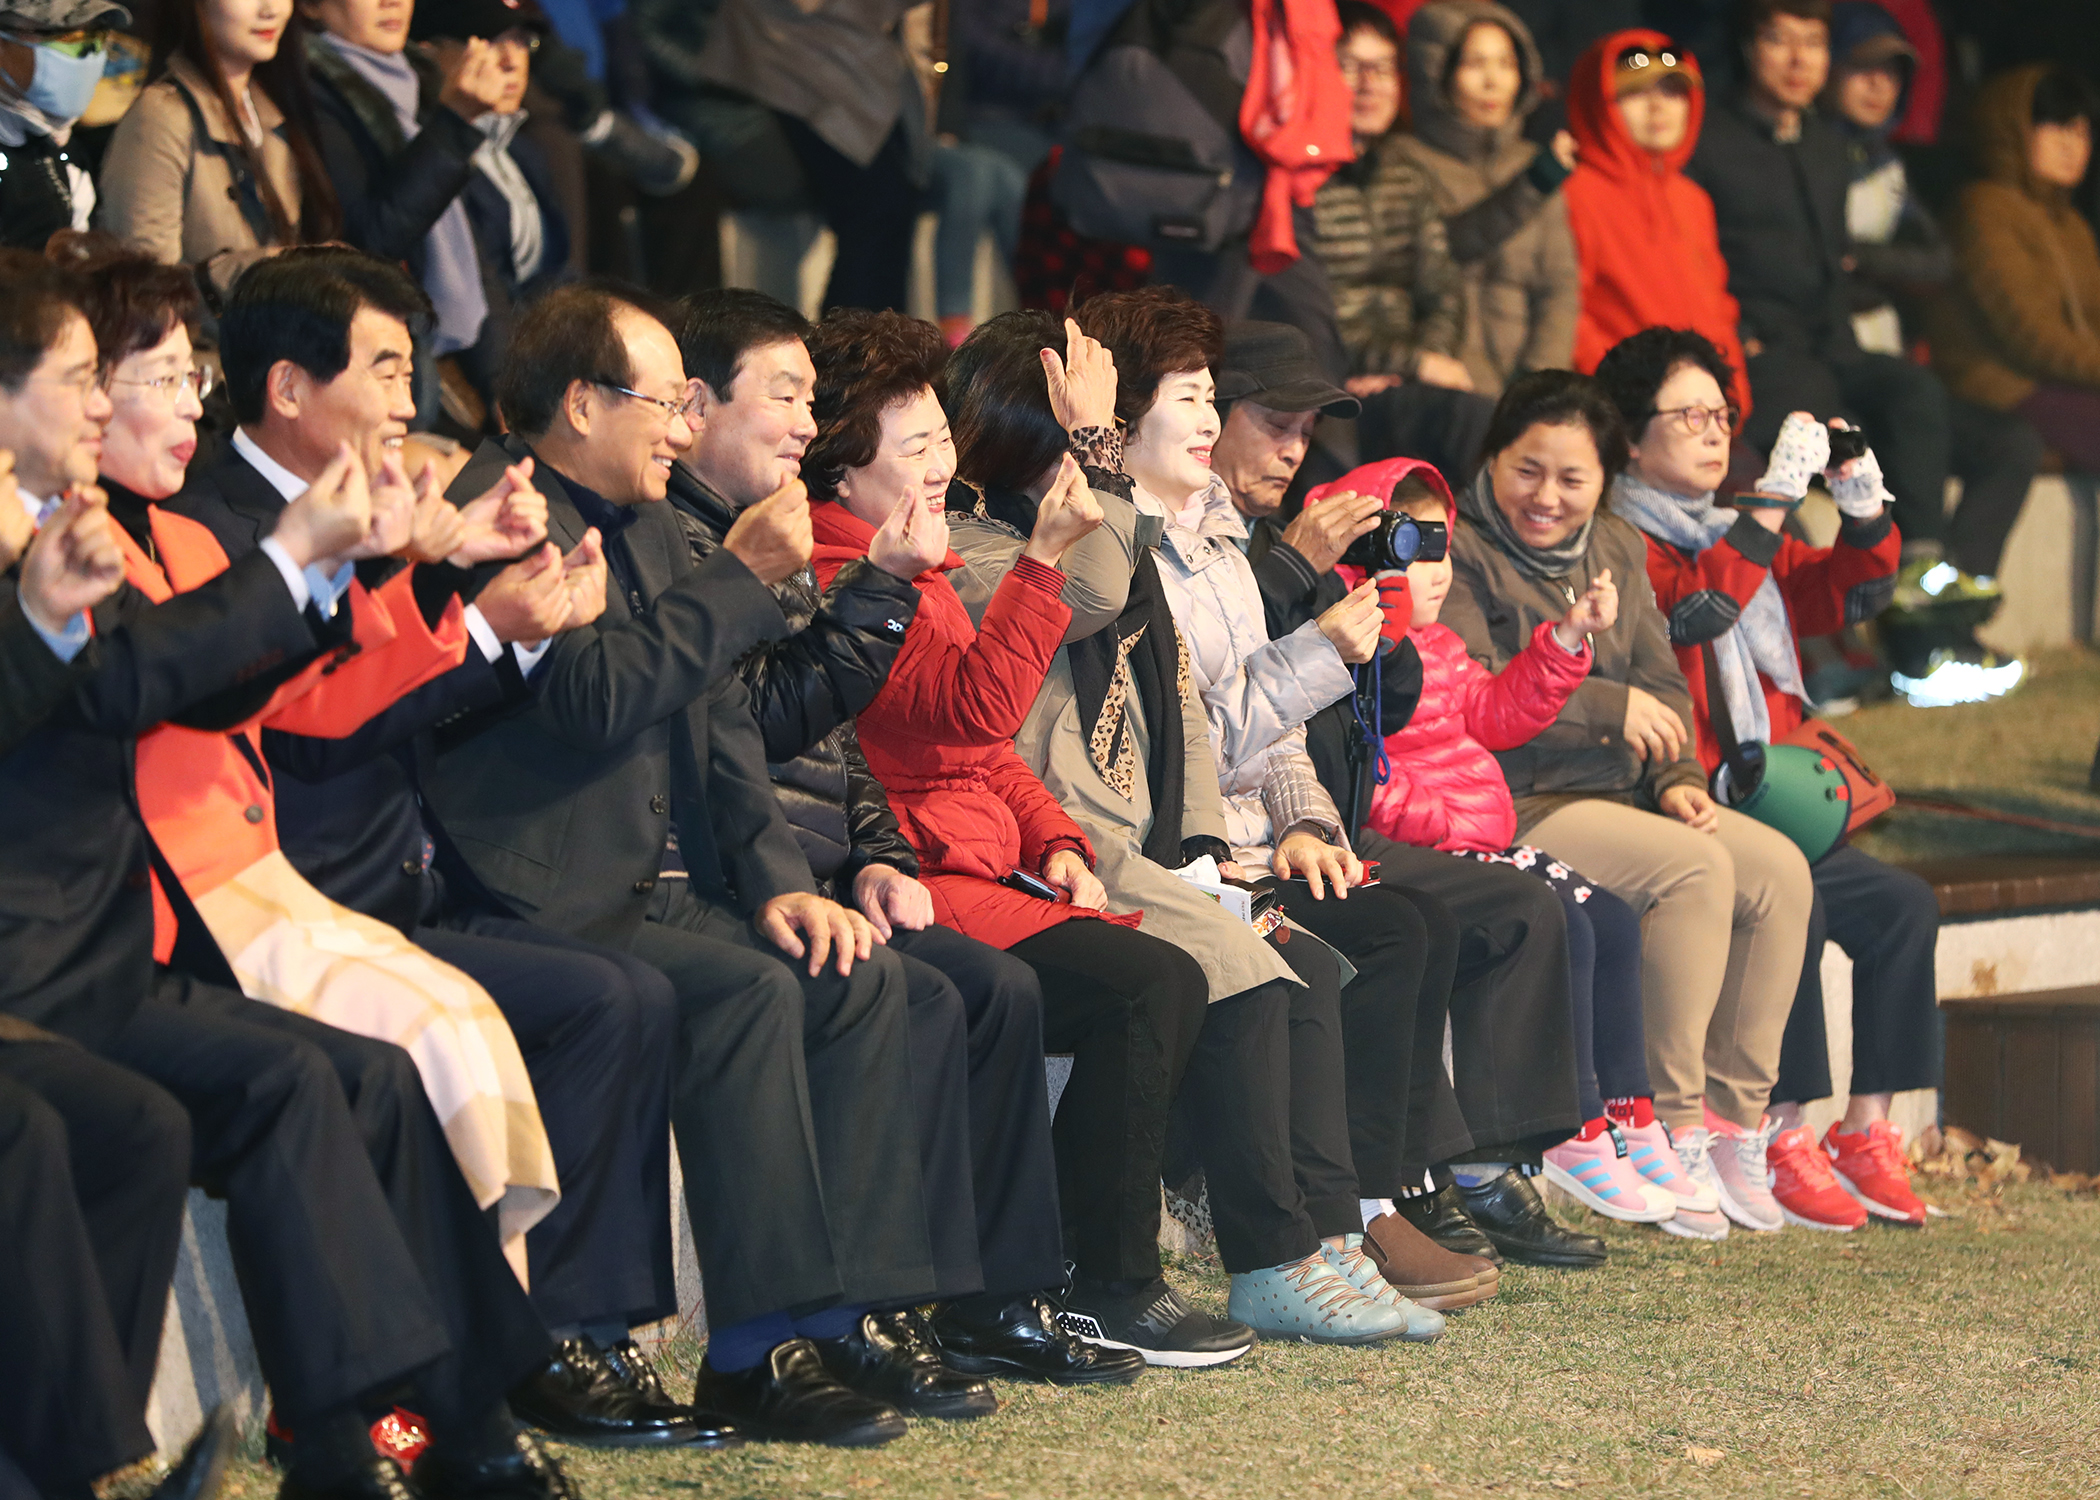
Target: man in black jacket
x=754 y=388
x=1778 y=174
x=42 y=188
x=628 y=803
x=593 y=1024
x=364 y=1261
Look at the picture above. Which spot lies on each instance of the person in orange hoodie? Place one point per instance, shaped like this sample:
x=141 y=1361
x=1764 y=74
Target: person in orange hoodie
x=1644 y=231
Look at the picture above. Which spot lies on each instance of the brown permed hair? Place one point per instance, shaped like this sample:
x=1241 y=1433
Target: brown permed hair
x=1153 y=332
x=132 y=301
x=867 y=362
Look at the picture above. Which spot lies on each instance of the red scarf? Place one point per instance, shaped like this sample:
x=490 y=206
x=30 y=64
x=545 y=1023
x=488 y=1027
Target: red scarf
x=1294 y=116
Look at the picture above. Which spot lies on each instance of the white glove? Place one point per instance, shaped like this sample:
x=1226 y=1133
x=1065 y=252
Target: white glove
x=1857 y=487
x=1802 y=452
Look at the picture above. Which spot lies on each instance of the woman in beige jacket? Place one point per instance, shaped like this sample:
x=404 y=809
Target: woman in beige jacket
x=215 y=166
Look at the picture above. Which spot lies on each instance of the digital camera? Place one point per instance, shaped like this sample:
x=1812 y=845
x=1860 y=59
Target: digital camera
x=1397 y=540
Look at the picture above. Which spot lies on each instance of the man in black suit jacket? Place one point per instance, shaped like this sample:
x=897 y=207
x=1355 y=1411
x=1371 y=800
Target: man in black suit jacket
x=594 y=1025
x=792 y=1096
x=364 y=1261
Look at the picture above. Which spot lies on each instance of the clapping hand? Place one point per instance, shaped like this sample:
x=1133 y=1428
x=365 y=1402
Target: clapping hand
x=774 y=538
x=912 y=539
x=331 y=518
x=438 y=527
x=1597 y=610
x=583 y=575
x=502 y=523
x=1067 y=513
x=1082 y=383
x=73 y=563
x=393 y=502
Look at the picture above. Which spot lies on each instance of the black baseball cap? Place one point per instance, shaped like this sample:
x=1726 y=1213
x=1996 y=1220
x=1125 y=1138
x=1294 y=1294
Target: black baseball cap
x=1272 y=364
x=487 y=19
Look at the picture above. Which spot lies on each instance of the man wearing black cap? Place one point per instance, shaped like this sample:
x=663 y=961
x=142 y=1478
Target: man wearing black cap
x=51 y=57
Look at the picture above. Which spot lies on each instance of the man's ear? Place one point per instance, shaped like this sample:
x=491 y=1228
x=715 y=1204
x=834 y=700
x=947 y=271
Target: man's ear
x=578 y=407
x=704 y=403
x=284 y=388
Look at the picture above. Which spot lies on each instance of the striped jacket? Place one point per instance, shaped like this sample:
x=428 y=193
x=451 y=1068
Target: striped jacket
x=1397 y=292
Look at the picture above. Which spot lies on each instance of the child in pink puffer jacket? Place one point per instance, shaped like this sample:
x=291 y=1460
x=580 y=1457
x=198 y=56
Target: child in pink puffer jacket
x=1441 y=788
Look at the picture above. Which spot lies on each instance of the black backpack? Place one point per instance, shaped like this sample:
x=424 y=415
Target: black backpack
x=1153 y=154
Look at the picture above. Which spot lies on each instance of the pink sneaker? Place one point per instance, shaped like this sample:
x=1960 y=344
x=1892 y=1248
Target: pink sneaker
x=1653 y=1151
x=1742 y=1176
x=1599 y=1174
x=1806 y=1187
x=1869 y=1166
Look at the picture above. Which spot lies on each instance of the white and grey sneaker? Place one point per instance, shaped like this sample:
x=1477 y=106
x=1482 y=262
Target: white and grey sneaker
x=1744 y=1178
x=1152 y=1319
x=1697 y=1167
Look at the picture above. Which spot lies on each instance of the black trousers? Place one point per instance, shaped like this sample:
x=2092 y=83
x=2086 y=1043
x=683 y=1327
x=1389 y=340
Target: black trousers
x=1512 y=1023
x=596 y=1028
x=792 y=1101
x=363 y=1259
x=1127 y=1006
x=873 y=211
x=1902 y=406
x=1389 y=1042
x=995 y=1117
x=1996 y=455
x=1887 y=921
x=94 y=1167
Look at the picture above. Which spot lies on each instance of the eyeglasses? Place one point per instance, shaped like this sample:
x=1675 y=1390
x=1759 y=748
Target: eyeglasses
x=1355 y=70
x=199 y=380
x=82 y=386
x=1634 y=59
x=683 y=410
x=1695 y=418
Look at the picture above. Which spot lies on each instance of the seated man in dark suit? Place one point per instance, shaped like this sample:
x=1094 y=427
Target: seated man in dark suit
x=755 y=386
x=792 y=1087
x=94 y=1160
x=365 y=1264
x=315 y=348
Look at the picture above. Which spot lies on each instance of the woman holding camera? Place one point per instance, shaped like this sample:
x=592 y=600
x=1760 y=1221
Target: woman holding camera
x=1738 y=592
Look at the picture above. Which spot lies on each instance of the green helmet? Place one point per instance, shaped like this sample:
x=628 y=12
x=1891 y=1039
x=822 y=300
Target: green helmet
x=1803 y=795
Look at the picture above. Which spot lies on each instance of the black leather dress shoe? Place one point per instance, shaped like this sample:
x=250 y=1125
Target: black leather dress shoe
x=197 y=1473
x=1442 y=1216
x=889 y=1356
x=789 y=1397
x=710 y=1429
x=1510 y=1212
x=525 y=1471
x=580 y=1397
x=381 y=1479
x=1023 y=1338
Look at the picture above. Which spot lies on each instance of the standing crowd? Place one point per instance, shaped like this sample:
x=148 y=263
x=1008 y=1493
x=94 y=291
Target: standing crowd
x=469 y=729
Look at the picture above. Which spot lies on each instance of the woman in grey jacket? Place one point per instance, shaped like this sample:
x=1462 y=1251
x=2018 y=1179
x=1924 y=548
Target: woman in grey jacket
x=1614 y=788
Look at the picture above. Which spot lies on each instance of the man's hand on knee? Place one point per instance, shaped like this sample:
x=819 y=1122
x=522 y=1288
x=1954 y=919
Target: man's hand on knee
x=802 y=924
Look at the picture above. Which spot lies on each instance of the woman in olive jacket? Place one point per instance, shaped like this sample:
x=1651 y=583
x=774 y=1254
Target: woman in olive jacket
x=1613 y=787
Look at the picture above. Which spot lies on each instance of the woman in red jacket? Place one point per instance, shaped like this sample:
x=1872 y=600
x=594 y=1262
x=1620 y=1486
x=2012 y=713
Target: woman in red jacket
x=1442 y=789
x=1738 y=592
x=1007 y=865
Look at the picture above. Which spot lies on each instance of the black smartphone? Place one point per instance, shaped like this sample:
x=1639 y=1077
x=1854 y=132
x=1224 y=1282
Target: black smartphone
x=1029 y=885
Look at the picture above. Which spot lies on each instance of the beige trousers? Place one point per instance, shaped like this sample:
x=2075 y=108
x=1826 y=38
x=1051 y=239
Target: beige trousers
x=1724 y=920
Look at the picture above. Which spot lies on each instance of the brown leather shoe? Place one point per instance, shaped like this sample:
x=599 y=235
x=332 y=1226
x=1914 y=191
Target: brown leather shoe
x=1417 y=1267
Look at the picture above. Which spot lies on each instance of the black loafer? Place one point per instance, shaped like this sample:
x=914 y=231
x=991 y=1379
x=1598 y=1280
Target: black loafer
x=524 y=1471
x=789 y=1397
x=710 y=1429
x=889 y=1356
x=1511 y=1213
x=381 y=1479
x=579 y=1397
x=1022 y=1338
x=1442 y=1216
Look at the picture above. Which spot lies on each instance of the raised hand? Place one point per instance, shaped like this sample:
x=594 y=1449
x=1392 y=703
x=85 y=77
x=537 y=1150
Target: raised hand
x=1066 y=514
x=1323 y=530
x=15 y=526
x=1352 y=625
x=531 y=599
x=438 y=528
x=1082 y=382
x=773 y=538
x=73 y=563
x=1802 y=451
x=583 y=573
x=1596 y=610
x=475 y=84
x=912 y=539
x=332 y=517
x=393 y=511
x=502 y=523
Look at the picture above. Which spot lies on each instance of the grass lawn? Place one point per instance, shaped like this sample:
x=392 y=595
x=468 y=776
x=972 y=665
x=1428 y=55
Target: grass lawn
x=1956 y=1361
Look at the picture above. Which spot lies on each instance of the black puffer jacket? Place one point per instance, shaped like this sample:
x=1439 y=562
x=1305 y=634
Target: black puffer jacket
x=805 y=691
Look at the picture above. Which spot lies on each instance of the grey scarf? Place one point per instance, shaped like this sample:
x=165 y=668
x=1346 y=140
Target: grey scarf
x=1476 y=502
x=1762 y=638
x=451 y=265
x=494 y=161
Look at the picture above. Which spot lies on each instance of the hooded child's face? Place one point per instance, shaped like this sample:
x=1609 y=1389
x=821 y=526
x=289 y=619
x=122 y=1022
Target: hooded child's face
x=1868 y=96
x=2059 y=154
x=1657 y=118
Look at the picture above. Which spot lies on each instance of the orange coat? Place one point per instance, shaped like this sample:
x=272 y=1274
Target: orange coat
x=204 y=794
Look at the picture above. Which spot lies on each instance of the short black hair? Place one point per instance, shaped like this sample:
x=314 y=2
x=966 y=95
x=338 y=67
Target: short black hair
x=1637 y=367
x=716 y=329
x=571 y=334
x=36 y=301
x=1006 y=435
x=1558 y=398
x=1361 y=15
x=1752 y=16
x=298 y=306
x=2062 y=95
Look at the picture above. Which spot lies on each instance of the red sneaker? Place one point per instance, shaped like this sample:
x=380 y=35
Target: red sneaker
x=1869 y=1166
x=1806 y=1188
